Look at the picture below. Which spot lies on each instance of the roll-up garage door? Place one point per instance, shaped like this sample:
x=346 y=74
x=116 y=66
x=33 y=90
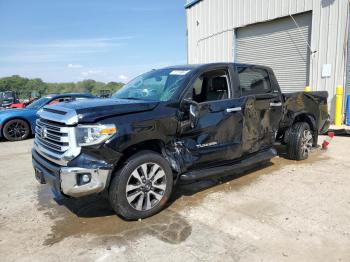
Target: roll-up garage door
x=281 y=45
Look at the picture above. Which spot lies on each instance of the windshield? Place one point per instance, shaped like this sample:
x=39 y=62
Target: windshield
x=39 y=103
x=156 y=85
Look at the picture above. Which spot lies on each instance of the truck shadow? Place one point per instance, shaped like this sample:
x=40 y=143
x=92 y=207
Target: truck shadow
x=197 y=190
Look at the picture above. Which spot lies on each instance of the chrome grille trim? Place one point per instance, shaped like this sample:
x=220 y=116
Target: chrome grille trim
x=54 y=139
x=51 y=138
x=49 y=145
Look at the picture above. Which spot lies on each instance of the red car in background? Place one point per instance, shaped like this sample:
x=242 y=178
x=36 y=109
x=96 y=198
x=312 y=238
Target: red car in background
x=23 y=104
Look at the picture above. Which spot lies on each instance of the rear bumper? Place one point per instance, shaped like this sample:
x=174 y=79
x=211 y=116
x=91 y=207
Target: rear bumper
x=67 y=180
x=325 y=126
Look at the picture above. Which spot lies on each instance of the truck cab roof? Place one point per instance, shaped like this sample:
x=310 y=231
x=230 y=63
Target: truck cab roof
x=211 y=65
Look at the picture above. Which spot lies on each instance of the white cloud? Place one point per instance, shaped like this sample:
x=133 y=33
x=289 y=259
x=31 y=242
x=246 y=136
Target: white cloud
x=74 y=66
x=60 y=50
x=123 y=77
x=72 y=43
x=91 y=72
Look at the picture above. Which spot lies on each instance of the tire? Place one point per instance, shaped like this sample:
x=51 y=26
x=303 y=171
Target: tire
x=300 y=141
x=131 y=196
x=16 y=130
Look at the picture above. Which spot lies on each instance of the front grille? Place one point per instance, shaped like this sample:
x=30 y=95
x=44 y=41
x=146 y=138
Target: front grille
x=52 y=136
x=55 y=134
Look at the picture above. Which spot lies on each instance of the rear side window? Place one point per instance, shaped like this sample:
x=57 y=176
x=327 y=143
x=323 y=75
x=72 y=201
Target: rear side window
x=253 y=81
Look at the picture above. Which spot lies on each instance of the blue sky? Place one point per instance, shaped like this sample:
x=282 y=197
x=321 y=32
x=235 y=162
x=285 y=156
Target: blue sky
x=105 y=40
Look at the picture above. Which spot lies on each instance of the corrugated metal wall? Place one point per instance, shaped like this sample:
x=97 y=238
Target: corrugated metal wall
x=348 y=62
x=211 y=24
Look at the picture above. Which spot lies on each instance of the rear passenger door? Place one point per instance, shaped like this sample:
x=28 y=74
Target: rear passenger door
x=263 y=109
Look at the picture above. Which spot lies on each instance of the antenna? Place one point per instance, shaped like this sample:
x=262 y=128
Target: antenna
x=295 y=22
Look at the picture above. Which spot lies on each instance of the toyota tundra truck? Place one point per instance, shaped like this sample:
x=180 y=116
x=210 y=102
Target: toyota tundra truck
x=180 y=123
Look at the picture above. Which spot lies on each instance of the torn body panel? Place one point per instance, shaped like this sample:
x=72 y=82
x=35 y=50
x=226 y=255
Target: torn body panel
x=310 y=107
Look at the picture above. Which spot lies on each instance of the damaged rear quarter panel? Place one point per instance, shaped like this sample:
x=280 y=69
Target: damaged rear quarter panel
x=310 y=104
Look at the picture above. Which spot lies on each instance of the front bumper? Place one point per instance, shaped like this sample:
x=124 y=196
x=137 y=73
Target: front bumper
x=65 y=180
x=69 y=178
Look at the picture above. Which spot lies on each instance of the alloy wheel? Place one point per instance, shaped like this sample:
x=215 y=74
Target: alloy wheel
x=17 y=130
x=146 y=186
x=306 y=142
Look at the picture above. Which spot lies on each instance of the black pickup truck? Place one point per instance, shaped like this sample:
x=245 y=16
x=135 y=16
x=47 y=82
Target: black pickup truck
x=180 y=123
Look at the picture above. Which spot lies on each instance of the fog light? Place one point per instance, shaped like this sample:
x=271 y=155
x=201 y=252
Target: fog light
x=84 y=179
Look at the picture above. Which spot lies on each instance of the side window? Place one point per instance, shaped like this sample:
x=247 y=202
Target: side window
x=197 y=86
x=253 y=81
x=211 y=86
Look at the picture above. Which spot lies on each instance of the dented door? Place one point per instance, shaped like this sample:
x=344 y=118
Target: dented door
x=262 y=115
x=263 y=109
x=217 y=138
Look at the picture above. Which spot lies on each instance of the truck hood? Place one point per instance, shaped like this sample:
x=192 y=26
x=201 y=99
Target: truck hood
x=91 y=110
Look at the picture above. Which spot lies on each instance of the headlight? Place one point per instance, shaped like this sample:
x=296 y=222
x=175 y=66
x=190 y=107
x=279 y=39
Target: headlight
x=88 y=135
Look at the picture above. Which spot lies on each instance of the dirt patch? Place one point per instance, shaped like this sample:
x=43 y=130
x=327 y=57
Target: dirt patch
x=74 y=218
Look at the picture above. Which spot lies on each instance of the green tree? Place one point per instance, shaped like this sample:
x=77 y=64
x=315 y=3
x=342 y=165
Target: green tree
x=24 y=86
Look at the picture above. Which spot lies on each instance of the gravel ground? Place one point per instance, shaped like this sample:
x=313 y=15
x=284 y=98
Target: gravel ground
x=281 y=211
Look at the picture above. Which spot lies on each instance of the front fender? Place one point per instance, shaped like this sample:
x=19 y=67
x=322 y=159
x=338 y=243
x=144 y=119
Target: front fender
x=28 y=116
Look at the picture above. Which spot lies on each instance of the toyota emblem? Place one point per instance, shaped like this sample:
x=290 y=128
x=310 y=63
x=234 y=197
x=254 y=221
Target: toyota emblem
x=44 y=132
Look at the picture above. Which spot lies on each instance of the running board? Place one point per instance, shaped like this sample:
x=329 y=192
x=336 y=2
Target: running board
x=239 y=164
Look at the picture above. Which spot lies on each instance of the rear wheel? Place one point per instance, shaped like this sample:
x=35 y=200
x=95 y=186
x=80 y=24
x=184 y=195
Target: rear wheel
x=142 y=187
x=300 y=141
x=16 y=130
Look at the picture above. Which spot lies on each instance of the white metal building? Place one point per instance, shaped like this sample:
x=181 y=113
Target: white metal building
x=304 y=41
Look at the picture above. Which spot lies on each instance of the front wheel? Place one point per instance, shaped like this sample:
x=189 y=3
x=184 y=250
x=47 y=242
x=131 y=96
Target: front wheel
x=16 y=130
x=142 y=187
x=300 y=141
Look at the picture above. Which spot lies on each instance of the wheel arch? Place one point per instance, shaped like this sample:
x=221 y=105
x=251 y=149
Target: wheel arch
x=156 y=145
x=308 y=118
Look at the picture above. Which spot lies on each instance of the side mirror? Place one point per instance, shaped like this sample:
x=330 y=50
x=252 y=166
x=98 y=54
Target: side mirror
x=193 y=108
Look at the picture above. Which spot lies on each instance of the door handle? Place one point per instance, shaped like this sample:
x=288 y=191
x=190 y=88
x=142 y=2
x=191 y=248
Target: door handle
x=233 y=109
x=276 y=104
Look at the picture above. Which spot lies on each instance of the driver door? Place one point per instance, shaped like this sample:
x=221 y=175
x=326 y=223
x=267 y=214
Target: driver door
x=216 y=137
